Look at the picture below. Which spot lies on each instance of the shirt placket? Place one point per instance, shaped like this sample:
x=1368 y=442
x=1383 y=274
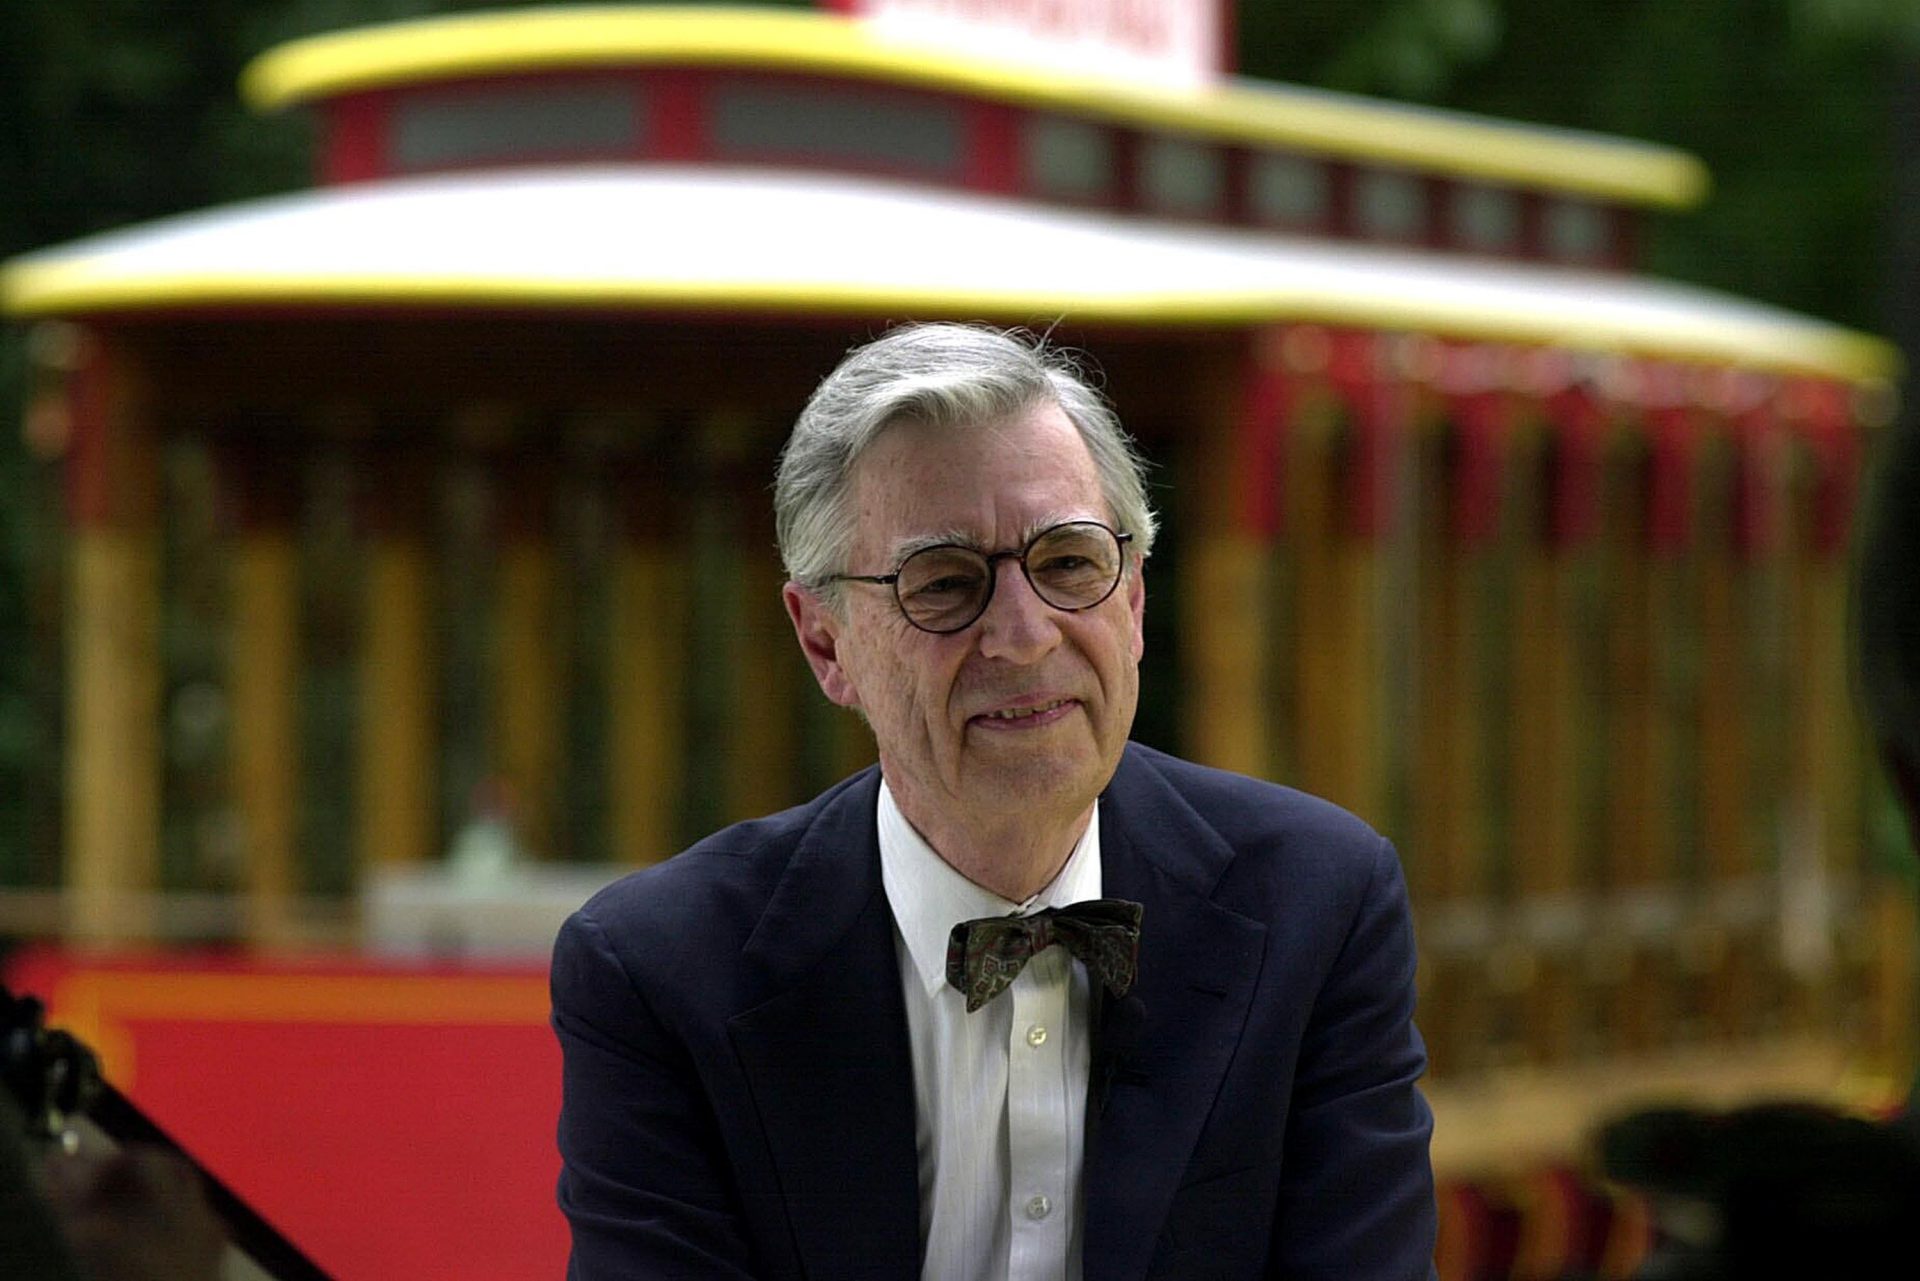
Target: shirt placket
x=1038 y=1190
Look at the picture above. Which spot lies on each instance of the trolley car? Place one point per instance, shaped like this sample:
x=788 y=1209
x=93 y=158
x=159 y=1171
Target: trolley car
x=451 y=472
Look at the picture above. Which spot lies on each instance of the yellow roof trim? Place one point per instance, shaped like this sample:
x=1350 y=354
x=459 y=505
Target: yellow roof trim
x=1241 y=111
x=28 y=290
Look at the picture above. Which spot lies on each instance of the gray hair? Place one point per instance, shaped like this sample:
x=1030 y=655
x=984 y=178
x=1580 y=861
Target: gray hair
x=947 y=376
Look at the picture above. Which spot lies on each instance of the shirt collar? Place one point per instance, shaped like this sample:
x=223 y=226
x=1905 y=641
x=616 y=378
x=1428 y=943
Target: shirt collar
x=929 y=898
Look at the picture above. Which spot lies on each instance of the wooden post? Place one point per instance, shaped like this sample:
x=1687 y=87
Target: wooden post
x=1638 y=840
x=1728 y=955
x=1821 y=853
x=398 y=685
x=762 y=663
x=1465 y=483
x=649 y=606
x=773 y=674
x=1542 y=749
x=1336 y=633
x=1336 y=505
x=1446 y=817
x=113 y=647
x=263 y=680
x=1224 y=607
x=1770 y=559
x=528 y=698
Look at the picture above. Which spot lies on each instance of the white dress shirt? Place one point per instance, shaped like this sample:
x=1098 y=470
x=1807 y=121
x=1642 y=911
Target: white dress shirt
x=1000 y=1094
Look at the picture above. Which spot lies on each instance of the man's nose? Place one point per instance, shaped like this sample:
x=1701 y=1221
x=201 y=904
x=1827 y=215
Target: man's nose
x=1017 y=626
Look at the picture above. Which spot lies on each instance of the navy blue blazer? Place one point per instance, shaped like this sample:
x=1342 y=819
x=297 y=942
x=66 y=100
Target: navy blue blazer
x=738 y=1097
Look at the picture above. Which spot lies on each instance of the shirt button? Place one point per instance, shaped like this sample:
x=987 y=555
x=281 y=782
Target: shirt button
x=1037 y=1035
x=1039 y=1208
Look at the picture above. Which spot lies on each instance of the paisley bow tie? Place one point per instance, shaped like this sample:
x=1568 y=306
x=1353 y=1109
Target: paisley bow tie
x=985 y=956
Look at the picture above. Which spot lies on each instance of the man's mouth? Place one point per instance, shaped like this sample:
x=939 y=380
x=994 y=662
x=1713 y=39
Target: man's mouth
x=1026 y=713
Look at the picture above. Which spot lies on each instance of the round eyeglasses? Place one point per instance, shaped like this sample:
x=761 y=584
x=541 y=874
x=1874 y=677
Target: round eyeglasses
x=944 y=588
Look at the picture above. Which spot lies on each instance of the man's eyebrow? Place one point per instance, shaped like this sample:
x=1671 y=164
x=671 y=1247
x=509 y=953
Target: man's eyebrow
x=944 y=538
x=961 y=538
x=1053 y=518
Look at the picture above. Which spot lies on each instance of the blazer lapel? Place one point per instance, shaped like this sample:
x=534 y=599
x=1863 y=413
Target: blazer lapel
x=826 y=1056
x=1161 y=1052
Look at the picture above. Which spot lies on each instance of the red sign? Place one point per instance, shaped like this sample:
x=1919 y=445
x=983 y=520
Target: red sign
x=391 y=1120
x=1172 y=42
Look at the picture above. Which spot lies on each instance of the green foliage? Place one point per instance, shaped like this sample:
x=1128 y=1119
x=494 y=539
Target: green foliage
x=1412 y=48
x=1787 y=102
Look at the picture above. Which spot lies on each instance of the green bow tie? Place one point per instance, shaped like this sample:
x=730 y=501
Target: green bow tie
x=984 y=957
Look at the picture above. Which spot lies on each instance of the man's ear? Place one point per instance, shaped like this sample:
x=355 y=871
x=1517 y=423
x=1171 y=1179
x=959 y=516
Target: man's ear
x=1136 y=589
x=819 y=630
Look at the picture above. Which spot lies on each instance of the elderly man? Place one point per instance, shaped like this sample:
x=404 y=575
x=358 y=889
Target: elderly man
x=1026 y=1001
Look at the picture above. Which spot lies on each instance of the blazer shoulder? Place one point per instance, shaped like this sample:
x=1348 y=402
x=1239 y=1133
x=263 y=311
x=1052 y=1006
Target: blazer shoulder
x=1249 y=811
x=1266 y=848
x=710 y=896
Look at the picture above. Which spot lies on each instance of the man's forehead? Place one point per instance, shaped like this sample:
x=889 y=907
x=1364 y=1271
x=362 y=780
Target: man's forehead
x=983 y=484
x=986 y=455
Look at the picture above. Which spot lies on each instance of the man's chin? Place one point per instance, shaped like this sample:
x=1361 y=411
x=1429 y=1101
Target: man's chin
x=1039 y=779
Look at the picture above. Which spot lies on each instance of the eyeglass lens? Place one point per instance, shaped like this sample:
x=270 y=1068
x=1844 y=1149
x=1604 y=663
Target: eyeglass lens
x=1071 y=566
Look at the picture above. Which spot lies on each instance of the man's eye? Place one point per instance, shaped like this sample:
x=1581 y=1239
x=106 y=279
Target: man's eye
x=1072 y=571
x=946 y=585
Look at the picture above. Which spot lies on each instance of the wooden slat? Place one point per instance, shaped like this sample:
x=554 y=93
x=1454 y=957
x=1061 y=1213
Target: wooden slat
x=265 y=745
x=528 y=697
x=398 y=760
x=768 y=666
x=113 y=746
x=1446 y=817
x=1820 y=851
x=646 y=662
x=1730 y=960
x=1224 y=609
x=1224 y=600
x=751 y=665
x=1637 y=1009
x=1336 y=616
x=1541 y=744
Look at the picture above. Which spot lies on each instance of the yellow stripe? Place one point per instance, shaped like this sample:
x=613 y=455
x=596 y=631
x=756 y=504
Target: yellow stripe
x=97 y=1006
x=1242 y=111
x=489 y=1000
x=1821 y=350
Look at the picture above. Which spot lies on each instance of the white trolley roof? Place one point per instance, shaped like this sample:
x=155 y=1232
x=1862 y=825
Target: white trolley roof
x=765 y=240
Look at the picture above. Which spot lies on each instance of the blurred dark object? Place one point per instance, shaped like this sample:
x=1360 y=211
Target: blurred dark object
x=136 y=1213
x=55 y=1081
x=1773 y=1190
x=51 y=1076
x=31 y=1241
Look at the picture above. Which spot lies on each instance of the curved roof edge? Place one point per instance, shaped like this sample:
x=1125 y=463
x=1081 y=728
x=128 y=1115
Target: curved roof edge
x=1245 y=111
x=851 y=246
x=1846 y=355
